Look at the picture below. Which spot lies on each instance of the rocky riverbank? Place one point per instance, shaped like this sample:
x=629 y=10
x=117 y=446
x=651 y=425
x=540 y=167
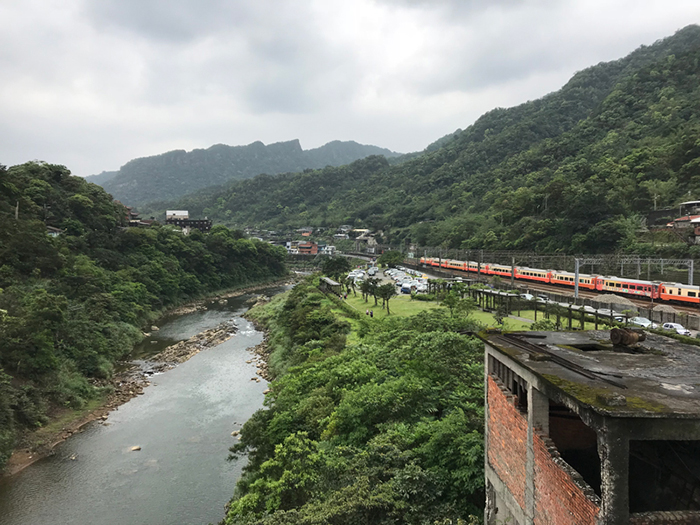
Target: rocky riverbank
x=184 y=350
x=261 y=352
x=122 y=386
x=202 y=304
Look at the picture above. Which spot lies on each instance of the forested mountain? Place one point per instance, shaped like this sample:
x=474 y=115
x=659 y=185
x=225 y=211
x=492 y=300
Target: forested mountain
x=570 y=171
x=103 y=177
x=177 y=173
x=73 y=304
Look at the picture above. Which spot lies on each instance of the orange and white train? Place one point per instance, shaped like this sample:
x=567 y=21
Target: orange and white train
x=662 y=291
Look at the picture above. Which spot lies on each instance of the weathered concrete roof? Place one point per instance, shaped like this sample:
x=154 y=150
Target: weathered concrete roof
x=659 y=377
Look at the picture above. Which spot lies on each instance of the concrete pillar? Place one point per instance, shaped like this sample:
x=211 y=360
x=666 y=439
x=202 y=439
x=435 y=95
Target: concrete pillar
x=614 y=451
x=537 y=419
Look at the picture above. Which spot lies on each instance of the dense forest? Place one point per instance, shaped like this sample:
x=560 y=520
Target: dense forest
x=380 y=425
x=573 y=171
x=71 y=305
x=179 y=172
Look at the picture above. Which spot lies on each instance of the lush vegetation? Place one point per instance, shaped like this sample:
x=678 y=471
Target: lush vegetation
x=177 y=173
x=573 y=171
x=73 y=304
x=387 y=429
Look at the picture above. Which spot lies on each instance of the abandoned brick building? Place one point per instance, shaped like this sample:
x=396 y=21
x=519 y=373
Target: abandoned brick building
x=580 y=431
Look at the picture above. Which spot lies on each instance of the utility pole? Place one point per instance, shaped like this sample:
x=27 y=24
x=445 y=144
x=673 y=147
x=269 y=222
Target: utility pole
x=17 y=211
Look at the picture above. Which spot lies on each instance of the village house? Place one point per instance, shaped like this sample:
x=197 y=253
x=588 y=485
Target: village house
x=308 y=248
x=182 y=219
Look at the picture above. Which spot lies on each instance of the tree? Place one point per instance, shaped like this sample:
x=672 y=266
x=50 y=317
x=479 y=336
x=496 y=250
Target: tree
x=391 y=258
x=386 y=292
x=501 y=313
x=335 y=267
x=457 y=304
x=373 y=284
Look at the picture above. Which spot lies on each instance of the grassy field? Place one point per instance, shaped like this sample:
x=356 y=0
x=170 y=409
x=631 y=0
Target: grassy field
x=403 y=306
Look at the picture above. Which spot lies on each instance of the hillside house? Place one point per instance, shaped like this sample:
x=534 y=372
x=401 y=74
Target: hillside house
x=308 y=248
x=182 y=219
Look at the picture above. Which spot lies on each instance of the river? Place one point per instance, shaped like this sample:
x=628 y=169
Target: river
x=183 y=424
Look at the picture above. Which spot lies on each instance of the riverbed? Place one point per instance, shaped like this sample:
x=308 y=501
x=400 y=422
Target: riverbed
x=182 y=424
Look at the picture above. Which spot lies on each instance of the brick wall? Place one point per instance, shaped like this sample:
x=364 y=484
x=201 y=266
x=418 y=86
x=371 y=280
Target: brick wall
x=663 y=518
x=507 y=440
x=560 y=499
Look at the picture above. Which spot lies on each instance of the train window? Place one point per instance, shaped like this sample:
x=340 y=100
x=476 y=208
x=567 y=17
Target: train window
x=691 y=294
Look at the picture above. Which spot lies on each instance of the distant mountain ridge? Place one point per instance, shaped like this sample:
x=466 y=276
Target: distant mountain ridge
x=177 y=173
x=572 y=171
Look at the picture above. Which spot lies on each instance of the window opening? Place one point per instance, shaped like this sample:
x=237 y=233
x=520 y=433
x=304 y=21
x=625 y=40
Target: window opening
x=515 y=384
x=576 y=442
x=664 y=476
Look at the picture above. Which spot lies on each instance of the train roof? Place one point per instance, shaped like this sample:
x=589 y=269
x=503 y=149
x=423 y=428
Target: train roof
x=681 y=285
x=532 y=269
x=557 y=272
x=626 y=280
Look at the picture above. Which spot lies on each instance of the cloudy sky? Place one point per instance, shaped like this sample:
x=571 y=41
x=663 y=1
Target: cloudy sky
x=94 y=83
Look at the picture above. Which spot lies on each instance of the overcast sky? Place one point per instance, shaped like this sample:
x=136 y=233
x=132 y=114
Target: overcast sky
x=93 y=84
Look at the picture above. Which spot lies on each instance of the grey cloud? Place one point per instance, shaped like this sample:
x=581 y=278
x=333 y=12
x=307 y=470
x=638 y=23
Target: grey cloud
x=93 y=83
x=170 y=20
x=269 y=53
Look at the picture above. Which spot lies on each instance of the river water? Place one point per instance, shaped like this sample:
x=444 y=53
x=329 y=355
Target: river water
x=183 y=424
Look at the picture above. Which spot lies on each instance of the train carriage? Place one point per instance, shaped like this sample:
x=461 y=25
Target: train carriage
x=473 y=266
x=454 y=264
x=684 y=293
x=628 y=286
x=499 y=269
x=569 y=279
x=533 y=274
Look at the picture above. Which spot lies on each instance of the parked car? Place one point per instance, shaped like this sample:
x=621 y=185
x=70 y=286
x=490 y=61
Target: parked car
x=643 y=322
x=527 y=296
x=607 y=312
x=675 y=327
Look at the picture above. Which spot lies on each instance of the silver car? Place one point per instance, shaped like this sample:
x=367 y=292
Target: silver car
x=675 y=327
x=643 y=322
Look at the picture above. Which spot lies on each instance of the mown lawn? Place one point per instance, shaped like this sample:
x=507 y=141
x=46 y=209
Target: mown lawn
x=399 y=305
x=403 y=306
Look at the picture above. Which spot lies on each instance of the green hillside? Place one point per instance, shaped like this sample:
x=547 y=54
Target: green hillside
x=179 y=172
x=571 y=171
x=71 y=305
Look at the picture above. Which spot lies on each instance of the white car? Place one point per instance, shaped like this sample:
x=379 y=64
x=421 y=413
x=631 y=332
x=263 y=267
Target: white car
x=675 y=327
x=643 y=322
